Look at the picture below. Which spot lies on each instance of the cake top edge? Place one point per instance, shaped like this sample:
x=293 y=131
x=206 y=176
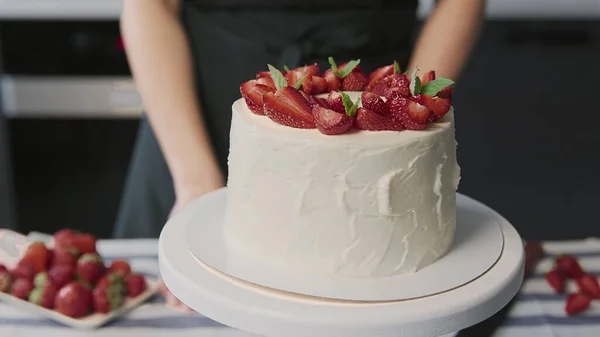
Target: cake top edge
x=345 y=98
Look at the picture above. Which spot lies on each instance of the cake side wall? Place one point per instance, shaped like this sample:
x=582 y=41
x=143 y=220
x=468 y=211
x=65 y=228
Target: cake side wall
x=358 y=207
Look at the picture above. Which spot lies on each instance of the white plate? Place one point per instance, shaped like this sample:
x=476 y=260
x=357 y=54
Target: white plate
x=478 y=240
x=12 y=246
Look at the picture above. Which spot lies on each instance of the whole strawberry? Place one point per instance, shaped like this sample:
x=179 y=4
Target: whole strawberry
x=113 y=280
x=577 y=303
x=41 y=279
x=73 y=300
x=556 y=280
x=85 y=243
x=44 y=295
x=23 y=270
x=90 y=267
x=64 y=238
x=21 y=288
x=61 y=275
x=37 y=255
x=569 y=266
x=136 y=284
x=107 y=299
x=5 y=281
x=120 y=267
x=588 y=284
x=65 y=256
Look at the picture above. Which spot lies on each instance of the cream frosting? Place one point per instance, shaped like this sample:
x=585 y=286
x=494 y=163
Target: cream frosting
x=360 y=204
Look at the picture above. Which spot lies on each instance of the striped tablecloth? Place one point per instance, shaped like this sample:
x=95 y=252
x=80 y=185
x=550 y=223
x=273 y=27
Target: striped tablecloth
x=538 y=312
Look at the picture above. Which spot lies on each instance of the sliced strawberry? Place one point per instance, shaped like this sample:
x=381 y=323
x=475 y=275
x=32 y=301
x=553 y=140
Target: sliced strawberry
x=569 y=266
x=335 y=102
x=319 y=85
x=355 y=81
x=293 y=76
x=417 y=111
x=320 y=101
x=396 y=104
x=588 y=284
x=312 y=69
x=445 y=93
x=373 y=102
x=330 y=122
x=333 y=82
x=577 y=303
x=254 y=97
x=398 y=83
x=372 y=121
x=379 y=74
x=556 y=280
x=356 y=69
x=289 y=107
x=262 y=74
x=439 y=106
x=307 y=84
x=268 y=81
x=428 y=76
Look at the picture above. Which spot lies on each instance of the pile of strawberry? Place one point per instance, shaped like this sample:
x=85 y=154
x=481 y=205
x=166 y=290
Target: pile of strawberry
x=71 y=277
x=568 y=268
x=306 y=99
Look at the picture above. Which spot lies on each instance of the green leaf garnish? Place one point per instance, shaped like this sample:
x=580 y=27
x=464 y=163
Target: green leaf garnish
x=432 y=88
x=298 y=84
x=349 y=106
x=347 y=69
x=286 y=68
x=396 y=67
x=278 y=78
x=415 y=82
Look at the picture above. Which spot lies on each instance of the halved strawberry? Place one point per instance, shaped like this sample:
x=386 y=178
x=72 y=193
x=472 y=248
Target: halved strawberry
x=445 y=93
x=288 y=106
x=372 y=121
x=319 y=85
x=335 y=102
x=320 y=101
x=426 y=77
x=373 y=102
x=355 y=81
x=333 y=82
x=268 y=81
x=396 y=104
x=392 y=83
x=417 y=111
x=439 y=106
x=588 y=284
x=293 y=76
x=556 y=280
x=330 y=122
x=356 y=69
x=262 y=74
x=577 y=303
x=569 y=266
x=312 y=69
x=253 y=93
x=379 y=74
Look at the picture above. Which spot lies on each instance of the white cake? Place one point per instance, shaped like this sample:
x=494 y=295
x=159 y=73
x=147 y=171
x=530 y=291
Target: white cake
x=360 y=204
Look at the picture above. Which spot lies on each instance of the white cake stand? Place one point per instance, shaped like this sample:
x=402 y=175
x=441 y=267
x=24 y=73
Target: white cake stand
x=235 y=302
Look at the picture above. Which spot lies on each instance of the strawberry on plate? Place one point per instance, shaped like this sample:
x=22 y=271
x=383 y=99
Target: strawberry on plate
x=37 y=256
x=64 y=238
x=21 y=288
x=577 y=303
x=23 y=270
x=65 y=256
x=136 y=284
x=371 y=121
x=61 y=275
x=73 y=300
x=113 y=280
x=287 y=106
x=90 y=268
x=5 y=281
x=373 y=102
x=44 y=295
x=120 y=267
x=85 y=243
x=107 y=299
x=41 y=279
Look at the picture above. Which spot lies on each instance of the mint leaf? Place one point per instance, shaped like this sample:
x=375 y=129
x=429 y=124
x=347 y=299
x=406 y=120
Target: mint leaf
x=278 y=78
x=298 y=84
x=348 y=68
x=334 y=68
x=396 y=68
x=433 y=87
x=415 y=82
x=347 y=102
x=286 y=68
x=353 y=109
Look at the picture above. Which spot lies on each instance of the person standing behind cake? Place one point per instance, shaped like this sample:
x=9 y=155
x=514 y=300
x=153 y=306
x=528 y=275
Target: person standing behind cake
x=188 y=58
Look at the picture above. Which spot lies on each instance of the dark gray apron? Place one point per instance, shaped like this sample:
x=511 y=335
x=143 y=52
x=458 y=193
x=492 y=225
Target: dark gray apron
x=229 y=46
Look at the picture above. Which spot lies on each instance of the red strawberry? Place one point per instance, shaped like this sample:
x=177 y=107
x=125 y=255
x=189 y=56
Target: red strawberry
x=569 y=266
x=556 y=280
x=439 y=106
x=136 y=284
x=330 y=122
x=64 y=237
x=399 y=83
x=254 y=98
x=335 y=102
x=44 y=295
x=60 y=275
x=356 y=69
x=372 y=121
x=445 y=93
x=21 y=288
x=107 y=299
x=65 y=256
x=355 y=81
x=3 y=268
x=120 y=267
x=577 y=303
x=314 y=85
x=5 y=281
x=85 y=243
x=288 y=107
x=396 y=104
x=41 y=279
x=113 y=280
x=267 y=81
x=418 y=112
x=379 y=74
x=73 y=300
x=373 y=102
x=37 y=256
x=333 y=82
x=90 y=267
x=23 y=270
x=263 y=74
x=319 y=101
x=426 y=77
x=588 y=284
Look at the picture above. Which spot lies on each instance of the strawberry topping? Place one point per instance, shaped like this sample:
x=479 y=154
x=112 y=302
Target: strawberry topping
x=379 y=74
x=253 y=95
x=333 y=82
x=373 y=102
x=372 y=121
x=427 y=77
x=288 y=106
x=335 y=102
x=418 y=113
x=439 y=106
x=330 y=122
x=355 y=81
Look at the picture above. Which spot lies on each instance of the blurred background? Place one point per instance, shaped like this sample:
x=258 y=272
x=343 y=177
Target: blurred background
x=526 y=106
